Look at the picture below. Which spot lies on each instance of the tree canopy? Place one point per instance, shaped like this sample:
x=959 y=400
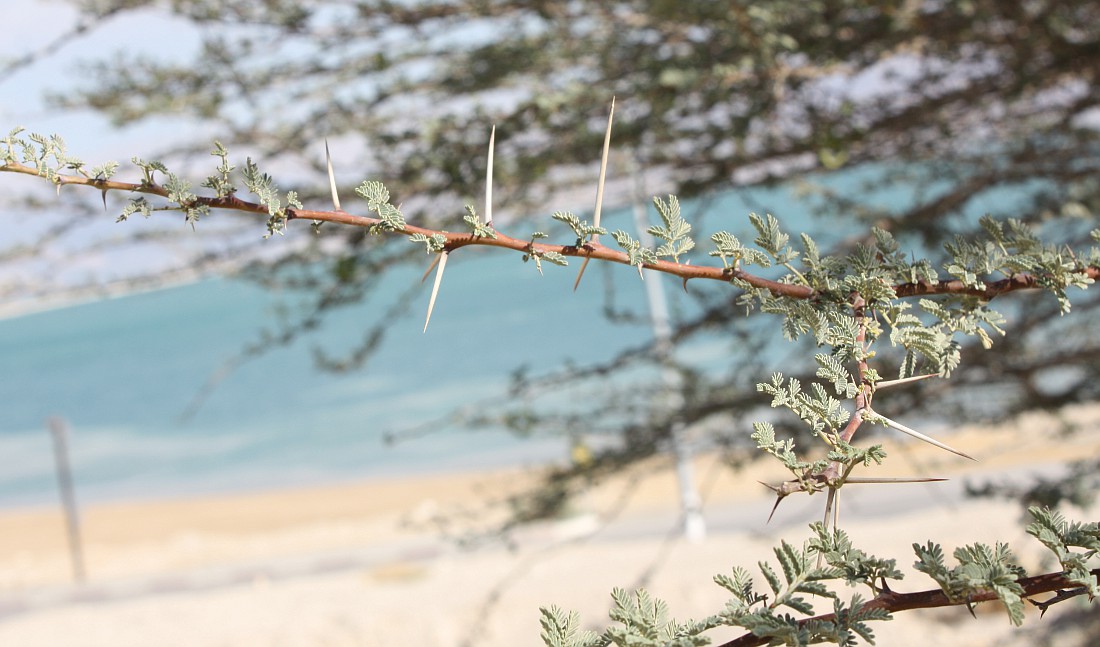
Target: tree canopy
x=932 y=113
x=913 y=117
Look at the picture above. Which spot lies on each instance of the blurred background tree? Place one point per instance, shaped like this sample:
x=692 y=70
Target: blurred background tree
x=916 y=117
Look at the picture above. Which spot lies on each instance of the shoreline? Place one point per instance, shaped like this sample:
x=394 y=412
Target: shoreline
x=355 y=563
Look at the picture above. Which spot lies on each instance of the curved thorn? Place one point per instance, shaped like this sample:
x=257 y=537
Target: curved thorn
x=489 y=178
x=778 y=498
x=331 y=179
x=918 y=435
x=435 y=288
x=775 y=507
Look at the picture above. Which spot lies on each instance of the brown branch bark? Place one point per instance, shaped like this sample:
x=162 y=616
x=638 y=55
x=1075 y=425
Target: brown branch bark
x=588 y=250
x=893 y=602
x=995 y=289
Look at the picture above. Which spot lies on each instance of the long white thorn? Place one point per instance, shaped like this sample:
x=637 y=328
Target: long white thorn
x=885 y=384
x=599 y=188
x=890 y=479
x=489 y=179
x=435 y=288
x=603 y=165
x=830 y=501
x=332 y=179
x=581 y=272
x=893 y=424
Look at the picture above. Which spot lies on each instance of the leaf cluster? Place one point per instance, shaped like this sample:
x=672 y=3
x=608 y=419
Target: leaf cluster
x=674 y=229
x=581 y=228
x=1061 y=537
x=543 y=255
x=378 y=200
x=980 y=568
x=48 y=155
x=263 y=187
x=644 y=621
x=820 y=411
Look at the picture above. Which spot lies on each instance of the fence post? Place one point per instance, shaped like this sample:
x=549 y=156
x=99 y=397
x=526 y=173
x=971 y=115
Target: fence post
x=59 y=430
x=694 y=526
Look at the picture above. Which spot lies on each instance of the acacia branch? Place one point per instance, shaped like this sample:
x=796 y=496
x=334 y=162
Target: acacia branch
x=593 y=249
x=991 y=290
x=893 y=602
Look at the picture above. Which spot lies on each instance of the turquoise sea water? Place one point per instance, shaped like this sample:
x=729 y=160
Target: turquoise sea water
x=123 y=371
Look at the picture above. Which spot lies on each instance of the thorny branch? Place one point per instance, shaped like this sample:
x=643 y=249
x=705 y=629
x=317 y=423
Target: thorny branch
x=818 y=476
x=595 y=250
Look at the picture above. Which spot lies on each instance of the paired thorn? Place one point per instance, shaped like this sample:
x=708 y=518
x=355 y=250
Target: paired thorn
x=893 y=424
x=435 y=261
x=489 y=178
x=832 y=505
x=599 y=188
x=332 y=179
x=435 y=288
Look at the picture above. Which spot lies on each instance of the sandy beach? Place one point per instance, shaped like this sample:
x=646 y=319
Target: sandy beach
x=368 y=563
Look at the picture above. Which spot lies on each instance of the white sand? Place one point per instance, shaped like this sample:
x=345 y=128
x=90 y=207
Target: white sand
x=343 y=566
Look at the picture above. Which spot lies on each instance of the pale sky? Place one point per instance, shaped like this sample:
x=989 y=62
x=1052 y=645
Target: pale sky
x=40 y=24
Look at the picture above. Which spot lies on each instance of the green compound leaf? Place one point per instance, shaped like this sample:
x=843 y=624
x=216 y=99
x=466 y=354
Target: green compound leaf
x=104 y=171
x=741 y=586
x=474 y=221
x=729 y=247
x=434 y=243
x=674 y=231
x=636 y=254
x=856 y=566
x=138 y=205
x=981 y=568
x=562 y=629
x=220 y=182
x=771 y=239
x=1060 y=536
x=582 y=229
x=149 y=170
x=377 y=196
